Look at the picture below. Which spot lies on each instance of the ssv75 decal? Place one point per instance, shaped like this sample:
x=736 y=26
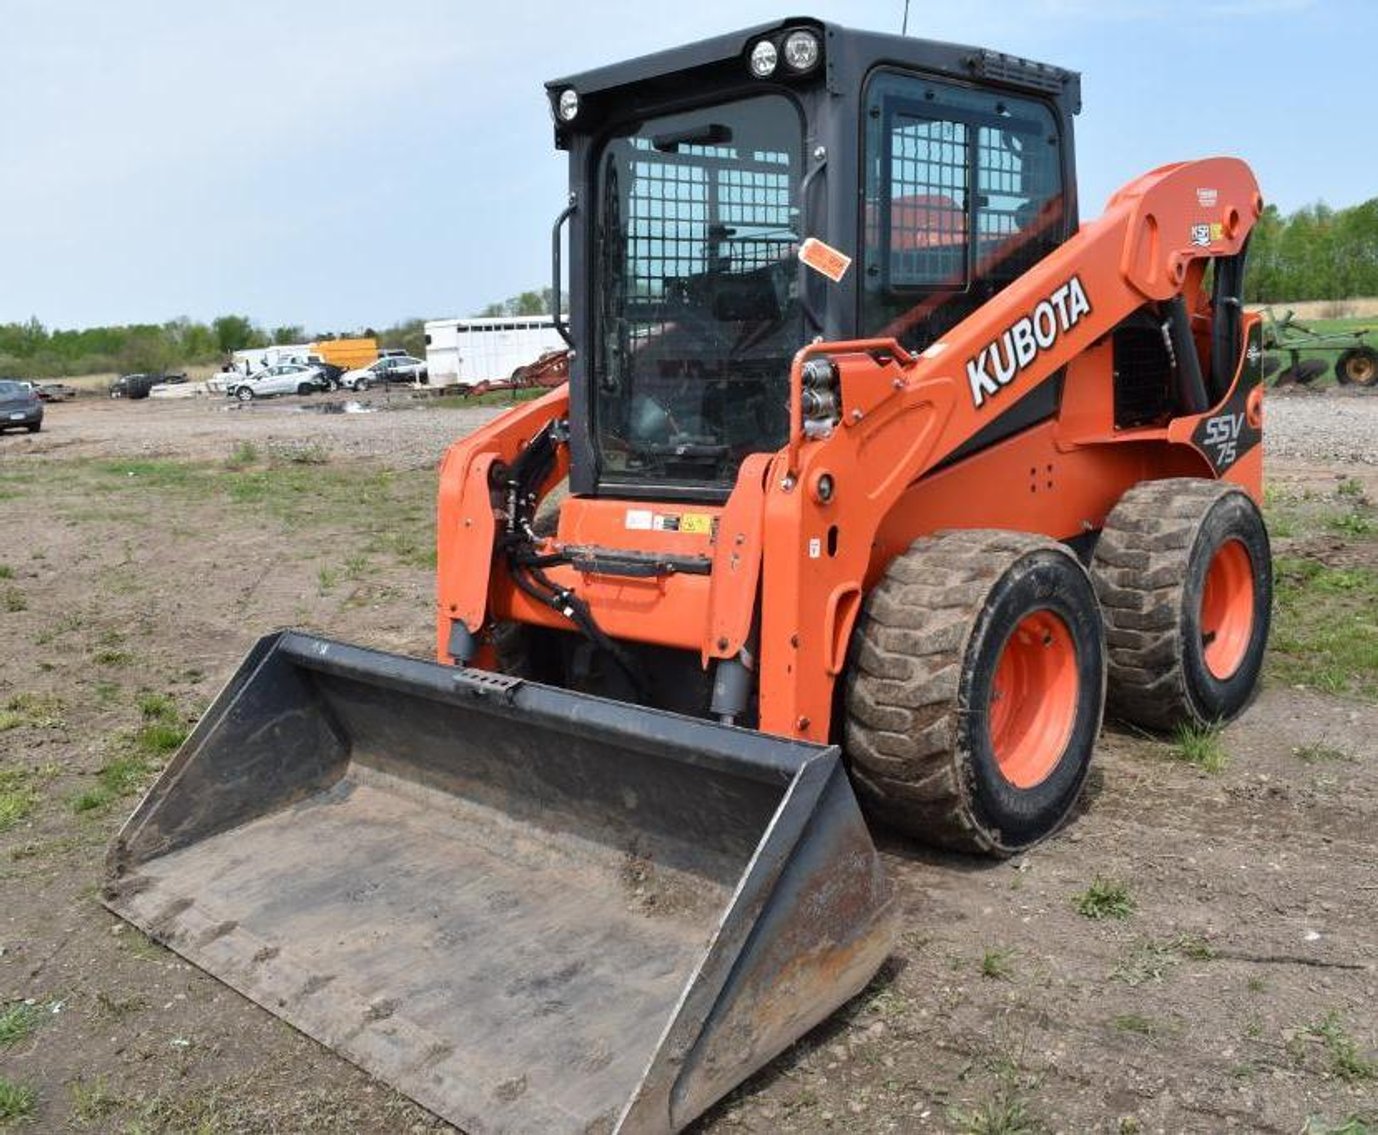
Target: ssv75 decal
x=1003 y=360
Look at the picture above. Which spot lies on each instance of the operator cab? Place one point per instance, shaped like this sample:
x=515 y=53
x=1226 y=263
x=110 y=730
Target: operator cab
x=929 y=175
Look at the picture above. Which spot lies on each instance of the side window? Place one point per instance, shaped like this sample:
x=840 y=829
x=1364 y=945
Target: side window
x=963 y=193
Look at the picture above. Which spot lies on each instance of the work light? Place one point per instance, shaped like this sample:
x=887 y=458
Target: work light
x=801 y=50
x=763 y=59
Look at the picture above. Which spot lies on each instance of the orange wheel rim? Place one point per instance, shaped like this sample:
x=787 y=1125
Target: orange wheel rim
x=1033 y=699
x=1361 y=370
x=1227 y=609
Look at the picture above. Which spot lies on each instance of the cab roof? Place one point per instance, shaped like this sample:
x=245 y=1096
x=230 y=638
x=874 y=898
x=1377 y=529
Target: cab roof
x=847 y=55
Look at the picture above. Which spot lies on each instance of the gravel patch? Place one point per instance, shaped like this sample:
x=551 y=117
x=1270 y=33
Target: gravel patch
x=397 y=429
x=1330 y=425
x=406 y=431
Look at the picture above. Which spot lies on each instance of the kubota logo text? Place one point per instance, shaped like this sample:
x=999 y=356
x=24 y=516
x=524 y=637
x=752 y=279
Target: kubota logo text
x=1005 y=359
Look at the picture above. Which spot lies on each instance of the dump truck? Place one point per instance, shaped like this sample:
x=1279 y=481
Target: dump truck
x=879 y=475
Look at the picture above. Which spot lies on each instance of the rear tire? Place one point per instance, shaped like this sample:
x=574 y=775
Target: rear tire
x=976 y=690
x=1184 y=573
x=305 y=388
x=1358 y=366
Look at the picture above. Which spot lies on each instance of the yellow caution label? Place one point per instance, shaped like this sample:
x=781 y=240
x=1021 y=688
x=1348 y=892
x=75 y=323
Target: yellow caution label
x=699 y=523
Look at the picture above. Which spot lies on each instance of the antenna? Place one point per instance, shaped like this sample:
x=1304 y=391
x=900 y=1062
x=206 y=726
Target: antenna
x=904 y=25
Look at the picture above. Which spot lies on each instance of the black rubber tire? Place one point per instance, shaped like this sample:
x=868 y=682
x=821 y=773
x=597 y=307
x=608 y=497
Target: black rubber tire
x=244 y=394
x=1149 y=568
x=1358 y=366
x=33 y=429
x=305 y=388
x=925 y=652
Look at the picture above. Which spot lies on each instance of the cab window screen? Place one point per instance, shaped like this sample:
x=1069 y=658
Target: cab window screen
x=697 y=311
x=927 y=206
x=963 y=194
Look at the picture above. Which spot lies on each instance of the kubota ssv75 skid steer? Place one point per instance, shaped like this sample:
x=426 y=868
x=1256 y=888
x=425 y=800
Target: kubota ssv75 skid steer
x=884 y=477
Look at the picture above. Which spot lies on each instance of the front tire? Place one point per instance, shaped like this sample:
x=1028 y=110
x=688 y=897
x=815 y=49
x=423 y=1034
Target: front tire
x=1184 y=572
x=1358 y=366
x=244 y=394
x=976 y=691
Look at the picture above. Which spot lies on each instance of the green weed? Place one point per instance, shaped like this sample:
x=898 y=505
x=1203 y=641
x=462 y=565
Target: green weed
x=1349 y=1125
x=39 y=711
x=1317 y=752
x=1151 y=960
x=1135 y=1023
x=1105 y=898
x=93 y=1102
x=310 y=454
x=997 y=964
x=15 y=805
x=1002 y=1115
x=1351 y=488
x=13 y=600
x=6 y=572
x=242 y=456
x=1351 y=523
x=1325 y=634
x=17 y=1023
x=1200 y=745
x=16 y=1100
x=1346 y=1062
x=161 y=731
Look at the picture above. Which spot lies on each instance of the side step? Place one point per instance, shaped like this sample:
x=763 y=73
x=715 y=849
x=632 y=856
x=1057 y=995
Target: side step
x=528 y=909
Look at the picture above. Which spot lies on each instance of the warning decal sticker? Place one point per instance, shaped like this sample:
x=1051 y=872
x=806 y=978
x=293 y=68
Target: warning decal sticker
x=824 y=258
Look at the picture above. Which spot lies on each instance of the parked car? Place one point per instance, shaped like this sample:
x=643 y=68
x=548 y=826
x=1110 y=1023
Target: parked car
x=55 y=392
x=331 y=374
x=138 y=385
x=19 y=406
x=285 y=378
x=392 y=368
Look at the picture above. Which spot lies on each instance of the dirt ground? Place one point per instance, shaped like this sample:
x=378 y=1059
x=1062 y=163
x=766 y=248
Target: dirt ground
x=145 y=547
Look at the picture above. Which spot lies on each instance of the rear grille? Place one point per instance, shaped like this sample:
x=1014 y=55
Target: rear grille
x=1143 y=376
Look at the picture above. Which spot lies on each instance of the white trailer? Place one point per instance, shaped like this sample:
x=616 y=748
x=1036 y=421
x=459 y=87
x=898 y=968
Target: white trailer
x=256 y=358
x=465 y=352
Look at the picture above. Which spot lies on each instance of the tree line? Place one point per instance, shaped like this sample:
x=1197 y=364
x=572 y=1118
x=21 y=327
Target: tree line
x=1315 y=253
x=31 y=350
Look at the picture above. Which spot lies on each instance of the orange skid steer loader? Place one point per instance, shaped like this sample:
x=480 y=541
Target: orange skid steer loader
x=885 y=477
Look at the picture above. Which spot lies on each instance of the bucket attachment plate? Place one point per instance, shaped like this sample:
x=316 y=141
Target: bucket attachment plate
x=528 y=909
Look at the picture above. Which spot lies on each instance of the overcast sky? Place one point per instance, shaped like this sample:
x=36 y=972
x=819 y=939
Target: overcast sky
x=342 y=164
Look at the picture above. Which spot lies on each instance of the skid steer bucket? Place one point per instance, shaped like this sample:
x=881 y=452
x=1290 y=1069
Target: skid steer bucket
x=528 y=909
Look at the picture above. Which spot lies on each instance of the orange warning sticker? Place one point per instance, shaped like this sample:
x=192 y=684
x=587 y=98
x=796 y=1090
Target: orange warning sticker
x=824 y=258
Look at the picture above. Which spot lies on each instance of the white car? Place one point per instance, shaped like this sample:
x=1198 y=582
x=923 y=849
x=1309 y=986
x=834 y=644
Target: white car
x=390 y=368
x=285 y=378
